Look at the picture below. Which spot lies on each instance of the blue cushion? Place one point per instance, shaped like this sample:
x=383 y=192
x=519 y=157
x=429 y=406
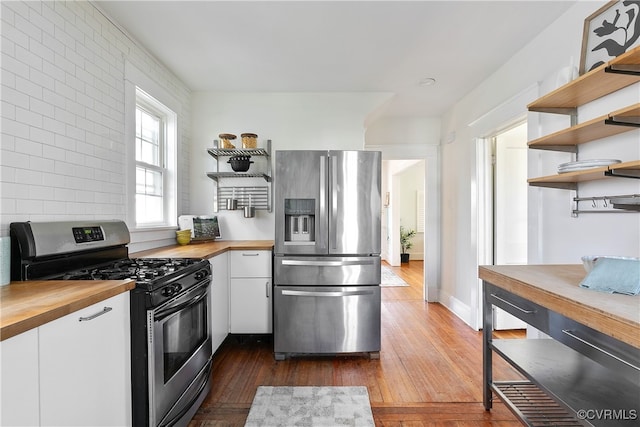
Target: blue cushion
x=612 y=275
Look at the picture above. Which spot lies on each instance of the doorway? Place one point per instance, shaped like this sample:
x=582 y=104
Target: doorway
x=403 y=206
x=430 y=154
x=509 y=155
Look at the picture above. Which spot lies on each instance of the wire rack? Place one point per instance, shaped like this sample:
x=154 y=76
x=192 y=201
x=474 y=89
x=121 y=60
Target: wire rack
x=259 y=197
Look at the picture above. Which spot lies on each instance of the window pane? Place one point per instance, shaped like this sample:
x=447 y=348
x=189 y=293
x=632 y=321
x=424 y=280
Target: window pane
x=148 y=181
x=148 y=209
x=148 y=133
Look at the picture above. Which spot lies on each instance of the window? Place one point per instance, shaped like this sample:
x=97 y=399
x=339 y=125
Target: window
x=155 y=166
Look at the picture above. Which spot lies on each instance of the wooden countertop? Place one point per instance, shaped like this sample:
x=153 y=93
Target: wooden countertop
x=204 y=250
x=27 y=305
x=556 y=287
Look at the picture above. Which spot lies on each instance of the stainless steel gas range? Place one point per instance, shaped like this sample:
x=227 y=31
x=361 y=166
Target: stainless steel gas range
x=170 y=310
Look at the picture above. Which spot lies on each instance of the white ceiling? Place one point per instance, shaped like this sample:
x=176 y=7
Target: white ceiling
x=337 y=46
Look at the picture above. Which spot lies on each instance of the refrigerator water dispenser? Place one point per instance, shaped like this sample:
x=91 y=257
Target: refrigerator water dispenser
x=299 y=218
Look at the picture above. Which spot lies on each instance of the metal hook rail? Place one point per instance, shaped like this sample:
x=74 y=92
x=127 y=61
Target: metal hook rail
x=606 y=203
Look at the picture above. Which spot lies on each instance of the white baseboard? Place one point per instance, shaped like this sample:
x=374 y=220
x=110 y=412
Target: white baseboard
x=457 y=307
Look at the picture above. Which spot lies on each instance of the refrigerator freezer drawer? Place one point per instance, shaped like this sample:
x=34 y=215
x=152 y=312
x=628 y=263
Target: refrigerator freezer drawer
x=326 y=319
x=326 y=271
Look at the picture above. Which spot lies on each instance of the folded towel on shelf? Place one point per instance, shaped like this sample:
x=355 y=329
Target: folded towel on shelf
x=611 y=275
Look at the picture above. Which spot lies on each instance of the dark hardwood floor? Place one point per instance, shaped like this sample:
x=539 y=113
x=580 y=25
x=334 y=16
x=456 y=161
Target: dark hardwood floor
x=429 y=372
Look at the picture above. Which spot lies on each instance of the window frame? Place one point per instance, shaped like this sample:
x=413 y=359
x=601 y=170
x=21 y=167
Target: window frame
x=141 y=90
x=150 y=106
x=168 y=167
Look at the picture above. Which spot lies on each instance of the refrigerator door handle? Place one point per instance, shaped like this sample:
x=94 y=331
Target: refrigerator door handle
x=307 y=263
x=323 y=197
x=325 y=293
x=333 y=221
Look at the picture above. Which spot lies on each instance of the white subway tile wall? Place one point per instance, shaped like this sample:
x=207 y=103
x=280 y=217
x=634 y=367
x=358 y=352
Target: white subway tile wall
x=63 y=149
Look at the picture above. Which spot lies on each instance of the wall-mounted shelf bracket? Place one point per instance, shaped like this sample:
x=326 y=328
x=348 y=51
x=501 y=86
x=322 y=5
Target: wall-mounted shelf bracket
x=630 y=173
x=627 y=121
x=631 y=69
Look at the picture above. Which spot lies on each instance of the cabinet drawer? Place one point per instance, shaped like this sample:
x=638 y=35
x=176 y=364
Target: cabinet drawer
x=525 y=310
x=248 y=263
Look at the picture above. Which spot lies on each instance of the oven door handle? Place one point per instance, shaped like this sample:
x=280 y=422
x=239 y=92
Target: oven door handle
x=172 y=309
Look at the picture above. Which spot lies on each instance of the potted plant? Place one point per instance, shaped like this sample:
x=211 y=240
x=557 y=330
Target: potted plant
x=405 y=242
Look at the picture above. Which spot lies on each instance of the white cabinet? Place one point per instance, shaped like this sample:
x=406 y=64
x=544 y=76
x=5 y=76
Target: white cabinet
x=19 y=360
x=85 y=374
x=250 y=292
x=70 y=372
x=219 y=299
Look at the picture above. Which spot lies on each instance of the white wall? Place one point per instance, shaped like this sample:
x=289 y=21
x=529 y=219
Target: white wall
x=292 y=121
x=63 y=91
x=554 y=237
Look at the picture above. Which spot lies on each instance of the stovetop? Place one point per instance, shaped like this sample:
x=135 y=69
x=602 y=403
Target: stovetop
x=147 y=272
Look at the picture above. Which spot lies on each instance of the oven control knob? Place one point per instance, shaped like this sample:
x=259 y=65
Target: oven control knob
x=171 y=290
x=201 y=274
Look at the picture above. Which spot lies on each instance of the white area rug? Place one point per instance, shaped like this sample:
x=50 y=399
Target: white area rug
x=310 y=406
x=389 y=278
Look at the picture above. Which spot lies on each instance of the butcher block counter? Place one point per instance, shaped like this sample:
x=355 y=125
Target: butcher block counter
x=28 y=305
x=205 y=249
x=556 y=287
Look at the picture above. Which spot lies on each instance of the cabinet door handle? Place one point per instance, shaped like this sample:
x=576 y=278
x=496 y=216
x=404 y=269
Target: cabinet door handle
x=93 y=316
x=246 y=254
x=266 y=285
x=595 y=347
x=513 y=305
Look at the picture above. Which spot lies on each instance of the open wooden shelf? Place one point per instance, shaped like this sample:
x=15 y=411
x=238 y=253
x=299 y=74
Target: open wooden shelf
x=617 y=122
x=569 y=180
x=616 y=74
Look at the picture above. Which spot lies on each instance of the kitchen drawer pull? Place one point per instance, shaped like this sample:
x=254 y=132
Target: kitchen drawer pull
x=254 y=254
x=513 y=305
x=595 y=347
x=93 y=316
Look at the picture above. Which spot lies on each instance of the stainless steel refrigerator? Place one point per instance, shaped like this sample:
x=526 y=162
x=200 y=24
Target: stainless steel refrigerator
x=327 y=252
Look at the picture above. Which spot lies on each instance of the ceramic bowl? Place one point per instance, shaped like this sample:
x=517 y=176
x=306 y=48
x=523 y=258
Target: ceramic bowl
x=183 y=240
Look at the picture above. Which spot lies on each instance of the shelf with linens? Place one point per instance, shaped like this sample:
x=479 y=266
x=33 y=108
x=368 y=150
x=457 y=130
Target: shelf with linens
x=610 y=77
x=257 y=196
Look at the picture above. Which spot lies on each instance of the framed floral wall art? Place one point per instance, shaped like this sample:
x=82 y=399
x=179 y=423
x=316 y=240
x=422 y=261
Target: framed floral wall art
x=608 y=32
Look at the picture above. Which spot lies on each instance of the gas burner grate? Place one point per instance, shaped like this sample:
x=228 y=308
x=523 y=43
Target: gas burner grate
x=142 y=270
